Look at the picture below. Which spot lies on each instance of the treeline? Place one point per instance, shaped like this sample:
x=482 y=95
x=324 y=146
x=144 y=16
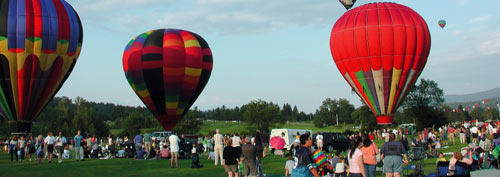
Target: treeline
x=236 y=114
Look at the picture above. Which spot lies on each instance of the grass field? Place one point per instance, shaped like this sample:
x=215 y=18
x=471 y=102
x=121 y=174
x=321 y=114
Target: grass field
x=273 y=166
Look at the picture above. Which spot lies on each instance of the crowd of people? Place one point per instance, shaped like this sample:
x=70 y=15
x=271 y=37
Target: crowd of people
x=242 y=155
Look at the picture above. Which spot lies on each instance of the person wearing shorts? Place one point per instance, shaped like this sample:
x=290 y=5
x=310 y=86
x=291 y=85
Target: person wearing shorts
x=49 y=141
x=391 y=153
x=174 y=149
x=230 y=156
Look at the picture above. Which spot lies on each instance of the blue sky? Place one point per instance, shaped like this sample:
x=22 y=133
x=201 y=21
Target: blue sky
x=276 y=50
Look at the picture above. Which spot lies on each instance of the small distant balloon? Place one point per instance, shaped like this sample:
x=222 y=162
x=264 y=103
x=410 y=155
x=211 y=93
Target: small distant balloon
x=442 y=23
x=347 y=3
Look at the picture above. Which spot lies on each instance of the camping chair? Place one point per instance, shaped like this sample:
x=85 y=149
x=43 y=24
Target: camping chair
x=442 y=168
x=417 y=157
x=461 y=169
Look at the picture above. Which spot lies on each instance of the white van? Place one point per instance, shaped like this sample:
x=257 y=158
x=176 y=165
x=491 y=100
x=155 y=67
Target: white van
x=289 y=135
x=160 y=135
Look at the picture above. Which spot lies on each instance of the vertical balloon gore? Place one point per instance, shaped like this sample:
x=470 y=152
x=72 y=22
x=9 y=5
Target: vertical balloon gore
x=380 y=49
x=40 y=41
x=168 y=69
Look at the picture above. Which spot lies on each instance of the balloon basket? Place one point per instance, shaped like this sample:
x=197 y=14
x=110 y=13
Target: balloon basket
x=384 y=120
x=20 y=127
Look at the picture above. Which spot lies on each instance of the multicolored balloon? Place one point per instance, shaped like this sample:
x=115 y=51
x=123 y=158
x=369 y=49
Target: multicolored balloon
x=168 y=69
x=442 y=23
x=380 y=49
x=347 y=3
x=40 y=41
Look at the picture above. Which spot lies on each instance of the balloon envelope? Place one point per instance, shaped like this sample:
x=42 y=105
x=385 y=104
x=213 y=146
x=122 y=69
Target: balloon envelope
x=380 y=49
x=442 y=23
x=40 y=41
x=347 y=3
x=168 y=69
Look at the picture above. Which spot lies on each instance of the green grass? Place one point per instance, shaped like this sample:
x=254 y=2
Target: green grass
x=128 y=167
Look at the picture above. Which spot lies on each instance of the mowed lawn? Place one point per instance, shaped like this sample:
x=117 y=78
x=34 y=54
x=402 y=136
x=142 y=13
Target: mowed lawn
x=273 y=166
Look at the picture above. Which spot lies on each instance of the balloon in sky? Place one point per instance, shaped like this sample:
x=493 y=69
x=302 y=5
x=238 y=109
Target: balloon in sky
x=347 y=3
x=168 y=69
x=442 y=23
x=40 y=41
x=380 y=49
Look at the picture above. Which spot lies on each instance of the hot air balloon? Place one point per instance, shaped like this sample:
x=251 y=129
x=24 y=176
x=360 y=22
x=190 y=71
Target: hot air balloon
x=380 y=49
x=40 y=41
x=168 y=69
x=347 y=3
x=442 y=23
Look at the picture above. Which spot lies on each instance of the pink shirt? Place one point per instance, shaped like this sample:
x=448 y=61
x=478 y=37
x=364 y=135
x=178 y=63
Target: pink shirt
x=369 y=154
x=353 y=162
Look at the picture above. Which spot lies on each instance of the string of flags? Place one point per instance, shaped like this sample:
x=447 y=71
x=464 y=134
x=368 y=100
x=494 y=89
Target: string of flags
x=469 y=108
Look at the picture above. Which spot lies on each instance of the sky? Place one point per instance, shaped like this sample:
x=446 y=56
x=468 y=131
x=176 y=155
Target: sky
x=275 y=50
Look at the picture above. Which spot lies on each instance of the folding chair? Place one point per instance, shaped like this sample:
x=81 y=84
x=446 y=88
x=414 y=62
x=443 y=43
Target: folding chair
x=442 y=168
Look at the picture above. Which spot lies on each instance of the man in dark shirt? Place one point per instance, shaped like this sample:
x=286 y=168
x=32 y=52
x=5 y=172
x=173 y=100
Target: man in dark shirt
x=391 y=153
x=249 y=158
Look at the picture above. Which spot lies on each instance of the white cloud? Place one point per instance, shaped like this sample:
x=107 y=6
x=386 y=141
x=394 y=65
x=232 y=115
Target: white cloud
x=491 y=45
x=479 y=19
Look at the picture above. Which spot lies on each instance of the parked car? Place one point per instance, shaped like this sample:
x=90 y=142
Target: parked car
x=160 y=135
x=333 y=141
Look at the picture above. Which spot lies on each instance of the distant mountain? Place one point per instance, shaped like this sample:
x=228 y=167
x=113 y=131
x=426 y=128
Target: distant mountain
x=474 y=98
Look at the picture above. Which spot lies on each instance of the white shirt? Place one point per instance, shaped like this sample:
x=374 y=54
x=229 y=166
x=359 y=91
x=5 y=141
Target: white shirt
x=174 y=143
x=218 y=139
x=236 y=141
x=60 y=141
x=473 y=130
x=49 y=140
x=193 y=151
x=340 y=167
x=319 y=139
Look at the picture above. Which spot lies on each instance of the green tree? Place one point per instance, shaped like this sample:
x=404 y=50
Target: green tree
x=261 y=115
x=191 y=123
x=327 y=113
x=133 y=124
x=364 y=116
x=491 y=114
x=477 y=114
x=421 y=101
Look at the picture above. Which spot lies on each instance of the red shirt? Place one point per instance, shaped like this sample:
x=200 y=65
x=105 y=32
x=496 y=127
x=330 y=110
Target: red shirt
x=372 y=137
x=451 y=130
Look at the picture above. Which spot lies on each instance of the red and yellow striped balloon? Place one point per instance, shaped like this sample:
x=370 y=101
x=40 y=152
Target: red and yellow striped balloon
x=168 y=69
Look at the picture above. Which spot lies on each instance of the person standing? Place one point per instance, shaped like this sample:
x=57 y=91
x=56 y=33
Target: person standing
x=219 y=147
x=304 y=162
x=31 y=146
x=258 y=146
x=174 y=149
x=265 y=141
x=13 y=149
x=49 y=141
x=60 y=141
x=370 y=151
x=355 y=158
x=391 y=153
x=236 y=142
x=147 y=141
x=474 y=132
x=249 y=156
x=77 y=146
x=451 y=136
x=138 y=141
x=21 y=144
x=39 y=148
x=230 y=156
x=319 y=141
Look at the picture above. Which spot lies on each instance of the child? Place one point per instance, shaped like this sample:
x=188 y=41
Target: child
x=289 y=164
x=440 y=158
x=195 y=159
x=340 y=168
x=240 y=166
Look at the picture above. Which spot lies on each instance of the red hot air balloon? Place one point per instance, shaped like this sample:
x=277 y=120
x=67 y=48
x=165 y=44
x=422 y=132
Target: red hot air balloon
x=380 y=49
x=168 y=69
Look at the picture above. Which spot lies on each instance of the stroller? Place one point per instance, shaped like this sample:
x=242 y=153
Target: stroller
x=417 y=157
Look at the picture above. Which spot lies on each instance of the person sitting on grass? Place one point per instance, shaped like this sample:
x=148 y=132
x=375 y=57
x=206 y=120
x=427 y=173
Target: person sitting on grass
x=165 y=153
x=140 y=153
x=441 y=158
x=195 y=159
x=340 y=167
